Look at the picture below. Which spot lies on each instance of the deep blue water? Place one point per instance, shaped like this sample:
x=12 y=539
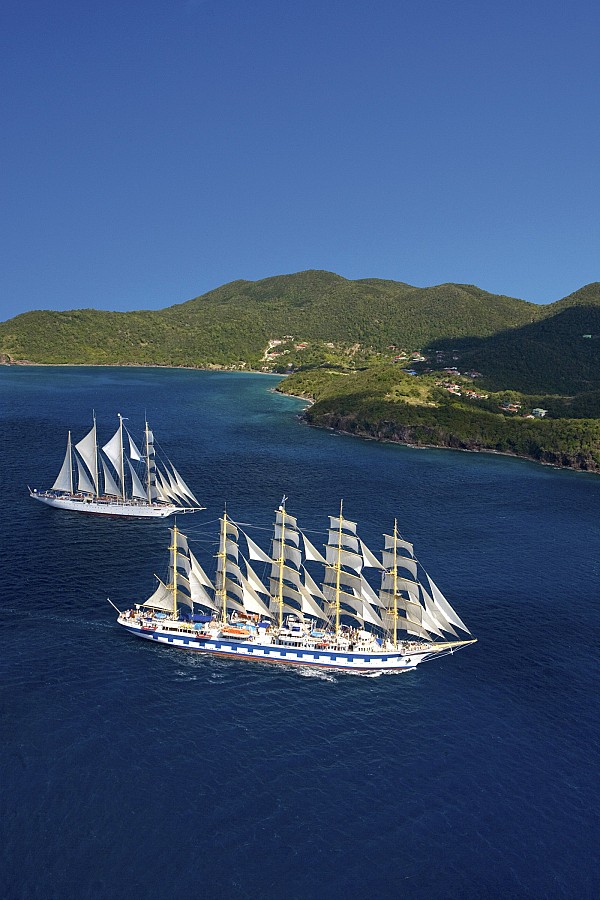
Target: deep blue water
x=131 y=770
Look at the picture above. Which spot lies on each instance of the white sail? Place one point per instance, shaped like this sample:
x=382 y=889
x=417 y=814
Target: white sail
x=435 y=615
x=441 y=602
x=256 y=552
x=287 y=593
x=151 y=465
x=182 y=580
x=162 y=491
x=234 y=596
x=348 y=541
x=114 y=451
x=162 y=598
x=111 y=488
x=87 y=450
x=369 y=558
x=405 y=624
x=389 y=561
x=231 y=529
x=362 y=609
x=137 y=488
x=231 y=548
x=64 y=480
x=171 y=482
x=252 y=601
x=334 y=524
x=166 y=487
x=400 y=544
x=310 y=605
x=184 y=564
x=183 y=488
x=290 y=554
x=199 y=572
x=199 y=594
x=357 y=583
x=254 y=580
x=84 y=485
x=181 y=540
x=310 y=551
x=287 y=573
x=311 y=585
x=134 y=453
x=345 y=558
x=281 y=517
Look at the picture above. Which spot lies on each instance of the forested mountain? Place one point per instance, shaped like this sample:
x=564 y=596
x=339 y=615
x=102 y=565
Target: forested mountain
x=557 y=354
x=233 y=324
x=322 y=326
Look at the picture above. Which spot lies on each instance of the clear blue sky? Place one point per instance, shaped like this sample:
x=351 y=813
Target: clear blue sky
x=154 y=150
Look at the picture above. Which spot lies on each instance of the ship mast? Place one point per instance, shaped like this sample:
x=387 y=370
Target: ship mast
x=395 y=583
x=338 y=569
x=121 y=454
x=173 y=549
x=96 y=475
x=149 y=486
x=281 y=564
x=221 y=582
x=70 y=455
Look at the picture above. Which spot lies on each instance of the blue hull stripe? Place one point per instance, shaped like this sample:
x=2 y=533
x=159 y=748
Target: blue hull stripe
x=336 y=659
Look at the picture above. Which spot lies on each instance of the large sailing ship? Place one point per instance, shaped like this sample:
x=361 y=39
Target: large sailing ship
x=365 y=616
x=118 y=479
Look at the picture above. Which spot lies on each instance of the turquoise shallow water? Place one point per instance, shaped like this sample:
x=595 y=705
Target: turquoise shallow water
x=134 y=770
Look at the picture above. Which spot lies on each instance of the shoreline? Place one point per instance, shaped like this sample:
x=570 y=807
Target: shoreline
x=310 y=401
x=491 y=450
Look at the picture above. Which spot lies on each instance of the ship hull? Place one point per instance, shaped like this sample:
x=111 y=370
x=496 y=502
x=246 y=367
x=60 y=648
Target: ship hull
x=339 y=660
x=110 y=507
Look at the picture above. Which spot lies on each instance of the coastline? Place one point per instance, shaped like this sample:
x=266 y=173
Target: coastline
x=310 y=401
x=364 y=435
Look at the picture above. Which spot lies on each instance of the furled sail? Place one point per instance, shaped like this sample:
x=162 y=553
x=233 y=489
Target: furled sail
x=64 y=480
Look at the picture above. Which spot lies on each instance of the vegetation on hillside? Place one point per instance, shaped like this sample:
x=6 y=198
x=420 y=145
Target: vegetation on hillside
x=350 y=343
x=231 y=326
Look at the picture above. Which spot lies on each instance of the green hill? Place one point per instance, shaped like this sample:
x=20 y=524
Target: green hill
x=233 y=324
x=560 y=353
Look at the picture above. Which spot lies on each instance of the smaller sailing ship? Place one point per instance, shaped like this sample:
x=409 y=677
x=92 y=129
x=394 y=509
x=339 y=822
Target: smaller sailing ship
x=347 y=622
x=118 y=479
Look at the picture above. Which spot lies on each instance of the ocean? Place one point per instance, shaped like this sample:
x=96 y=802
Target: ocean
x=131 y=770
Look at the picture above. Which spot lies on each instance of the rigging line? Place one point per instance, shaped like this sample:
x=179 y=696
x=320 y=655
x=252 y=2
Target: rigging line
x=252 y=525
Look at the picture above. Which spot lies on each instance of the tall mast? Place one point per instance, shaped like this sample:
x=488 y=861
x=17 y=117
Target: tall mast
x=174 y=551
x=149 y=486
x=121 y=459
x=221 y=582
x=281 y=564
x=338 y=569
x=96 y=476
x=70 y=455
x=395 y=578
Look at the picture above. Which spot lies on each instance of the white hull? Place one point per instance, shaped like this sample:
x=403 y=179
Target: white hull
x=268 y=648
x=110 y=506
